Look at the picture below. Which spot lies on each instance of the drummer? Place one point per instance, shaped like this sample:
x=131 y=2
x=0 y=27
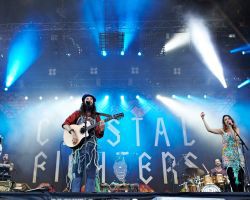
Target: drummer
x=218 y=168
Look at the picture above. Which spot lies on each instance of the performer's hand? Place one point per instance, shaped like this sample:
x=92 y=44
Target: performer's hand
x=202 y=115
x=74 y=137
x=102 y=125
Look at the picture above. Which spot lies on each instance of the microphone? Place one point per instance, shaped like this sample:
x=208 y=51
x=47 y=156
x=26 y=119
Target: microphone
x=230 y=123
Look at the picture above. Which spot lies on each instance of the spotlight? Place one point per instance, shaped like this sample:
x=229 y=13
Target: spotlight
x=9 y=81
x=205 y=96
x=122 y=53
x=26 y=97
x=189 y=96
x=179 y=40
x=23 y=52
x=139 y=53
x=40 y=98
x=137 y=97
x=245 y=52
x=173 y=96
x=244 y=83
x=201 y=39
x=104 y=53
x=71 y=97
x=6 y=89
x=243 y=49
x=122 y=97
x=106 y=97
x=56 y=98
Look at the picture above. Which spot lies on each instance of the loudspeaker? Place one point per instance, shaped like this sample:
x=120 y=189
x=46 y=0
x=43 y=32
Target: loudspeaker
x=21 y=187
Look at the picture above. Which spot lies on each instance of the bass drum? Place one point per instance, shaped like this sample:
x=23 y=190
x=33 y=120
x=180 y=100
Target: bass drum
x=210 y=188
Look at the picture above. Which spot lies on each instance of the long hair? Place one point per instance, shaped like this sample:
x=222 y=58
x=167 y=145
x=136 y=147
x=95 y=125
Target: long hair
x=84 y=109
x=225 y=127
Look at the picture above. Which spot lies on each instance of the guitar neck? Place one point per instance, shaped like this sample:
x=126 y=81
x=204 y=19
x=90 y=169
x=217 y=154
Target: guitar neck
x=98 y=123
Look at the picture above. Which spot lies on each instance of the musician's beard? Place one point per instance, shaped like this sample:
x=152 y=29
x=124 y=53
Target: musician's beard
x=91 y=108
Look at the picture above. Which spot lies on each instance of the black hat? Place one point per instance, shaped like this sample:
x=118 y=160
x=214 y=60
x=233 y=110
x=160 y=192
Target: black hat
x=88 y=95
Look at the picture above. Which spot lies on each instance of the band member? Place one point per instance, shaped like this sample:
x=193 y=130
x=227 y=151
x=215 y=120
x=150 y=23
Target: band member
x=218 y=168
x=232 y=157
x=6 y=167
x=85 y=155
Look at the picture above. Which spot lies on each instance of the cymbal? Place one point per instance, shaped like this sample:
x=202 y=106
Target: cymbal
x=194 y=171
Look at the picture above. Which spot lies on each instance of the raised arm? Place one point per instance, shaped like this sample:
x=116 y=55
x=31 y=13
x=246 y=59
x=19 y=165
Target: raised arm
x=211 y=130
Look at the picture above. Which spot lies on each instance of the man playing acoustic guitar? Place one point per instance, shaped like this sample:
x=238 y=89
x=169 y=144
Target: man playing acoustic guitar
x=84 y=143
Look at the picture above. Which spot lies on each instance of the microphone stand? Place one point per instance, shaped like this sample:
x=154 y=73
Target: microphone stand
x=243 y=146
x=85 y=151
x=171 y=161
x=182 y=173
x=85 y=144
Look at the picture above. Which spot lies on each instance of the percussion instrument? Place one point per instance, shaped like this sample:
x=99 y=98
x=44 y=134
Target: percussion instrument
x=210 y=188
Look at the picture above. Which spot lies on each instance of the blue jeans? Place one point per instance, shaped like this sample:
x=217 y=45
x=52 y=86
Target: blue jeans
x=79 y=166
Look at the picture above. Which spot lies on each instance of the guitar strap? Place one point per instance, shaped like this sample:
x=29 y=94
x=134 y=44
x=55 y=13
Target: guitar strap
x=103 y=114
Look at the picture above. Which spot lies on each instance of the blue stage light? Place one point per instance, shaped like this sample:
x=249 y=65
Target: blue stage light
x=244 y=83
x=139 y=53
x=137 y=97
x=23 y=52
x=122 y=53
x=104 y=53
x=241 y=49
x=93 y=12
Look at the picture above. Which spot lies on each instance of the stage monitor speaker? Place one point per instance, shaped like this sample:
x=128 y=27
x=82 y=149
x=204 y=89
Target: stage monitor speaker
x=21 y=187
x=6 y=186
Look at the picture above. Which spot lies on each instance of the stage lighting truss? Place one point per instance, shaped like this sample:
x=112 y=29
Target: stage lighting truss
x=111 y=41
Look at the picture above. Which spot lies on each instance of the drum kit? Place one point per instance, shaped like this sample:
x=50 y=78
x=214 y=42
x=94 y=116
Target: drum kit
x=197 y=181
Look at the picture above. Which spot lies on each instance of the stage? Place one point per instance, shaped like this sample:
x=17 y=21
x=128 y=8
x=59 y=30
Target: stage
x=169 y=79
x=156 y=196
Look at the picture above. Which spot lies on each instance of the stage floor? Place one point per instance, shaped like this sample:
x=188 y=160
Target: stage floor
x=132 y=196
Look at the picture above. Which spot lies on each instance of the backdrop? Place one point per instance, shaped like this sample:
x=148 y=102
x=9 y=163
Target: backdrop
x=152 y=136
